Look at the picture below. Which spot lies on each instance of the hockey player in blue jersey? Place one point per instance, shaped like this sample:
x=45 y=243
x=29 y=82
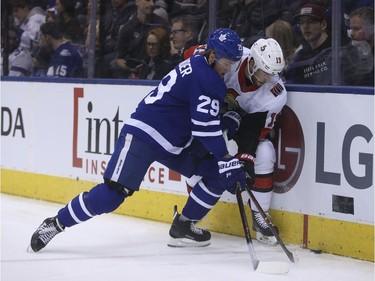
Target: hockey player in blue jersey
x=66 y=59
x=175 y=124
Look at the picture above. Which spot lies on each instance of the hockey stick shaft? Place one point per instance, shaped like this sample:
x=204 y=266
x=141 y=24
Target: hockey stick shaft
x=246 y=229
x=269 y=223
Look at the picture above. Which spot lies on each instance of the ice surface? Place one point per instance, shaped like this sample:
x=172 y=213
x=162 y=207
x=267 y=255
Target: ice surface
x=114 y=247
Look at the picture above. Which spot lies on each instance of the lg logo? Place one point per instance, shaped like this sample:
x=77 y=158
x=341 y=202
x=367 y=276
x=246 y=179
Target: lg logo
x=289 y=143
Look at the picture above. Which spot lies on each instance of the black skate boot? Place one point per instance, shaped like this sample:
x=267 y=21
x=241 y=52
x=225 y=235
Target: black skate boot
x=186 y=234
x=45 y=232
x=263 y=232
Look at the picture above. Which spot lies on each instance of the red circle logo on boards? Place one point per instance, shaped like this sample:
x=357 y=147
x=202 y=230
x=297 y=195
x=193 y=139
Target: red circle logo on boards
x=290 y=150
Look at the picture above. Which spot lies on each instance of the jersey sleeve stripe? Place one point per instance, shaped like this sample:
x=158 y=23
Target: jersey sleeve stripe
x=207 y=134
x=209 y=123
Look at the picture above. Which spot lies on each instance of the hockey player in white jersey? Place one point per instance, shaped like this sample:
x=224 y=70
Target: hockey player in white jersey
x=175 y=124
x=257 y=93
x=255 y=96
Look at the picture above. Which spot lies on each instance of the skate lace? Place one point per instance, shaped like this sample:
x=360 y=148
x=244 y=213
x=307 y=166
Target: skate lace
x=47 y=232
x=195 y=229
x=261 y=222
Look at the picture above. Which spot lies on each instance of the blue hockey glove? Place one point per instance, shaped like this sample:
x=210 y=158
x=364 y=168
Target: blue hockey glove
x=230 y=122
x=247 y=161
x=231 y=172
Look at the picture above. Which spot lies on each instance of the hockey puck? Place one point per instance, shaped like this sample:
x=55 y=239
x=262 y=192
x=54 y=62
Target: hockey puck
x=316 y=251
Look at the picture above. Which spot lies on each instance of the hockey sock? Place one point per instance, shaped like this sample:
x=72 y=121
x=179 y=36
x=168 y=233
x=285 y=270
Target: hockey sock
x=100 y=199
x=264 y=200
x=201 y=200
x=262 y=191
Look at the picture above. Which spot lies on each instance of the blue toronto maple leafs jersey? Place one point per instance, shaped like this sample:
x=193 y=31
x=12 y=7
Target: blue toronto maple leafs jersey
x=185 y=104
x=66 y=61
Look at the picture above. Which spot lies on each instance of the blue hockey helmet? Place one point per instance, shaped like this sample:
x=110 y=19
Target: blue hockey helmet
x=226 y=44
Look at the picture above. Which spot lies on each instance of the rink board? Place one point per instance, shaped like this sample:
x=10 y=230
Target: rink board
x=331 y=236
x=57 y=139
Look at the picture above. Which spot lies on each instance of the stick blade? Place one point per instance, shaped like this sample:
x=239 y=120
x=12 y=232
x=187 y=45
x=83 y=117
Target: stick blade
x=273 y=267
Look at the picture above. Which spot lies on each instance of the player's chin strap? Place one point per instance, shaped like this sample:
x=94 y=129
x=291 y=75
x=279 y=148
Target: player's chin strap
x=250 y=74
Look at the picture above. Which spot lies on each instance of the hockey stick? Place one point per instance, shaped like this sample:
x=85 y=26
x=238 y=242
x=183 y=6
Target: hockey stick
x=259 y=266
x=270 y=224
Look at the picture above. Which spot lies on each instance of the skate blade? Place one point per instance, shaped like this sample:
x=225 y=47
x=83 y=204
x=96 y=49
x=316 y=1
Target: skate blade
x=268 y=240
x=29 y=249
x=186 y=243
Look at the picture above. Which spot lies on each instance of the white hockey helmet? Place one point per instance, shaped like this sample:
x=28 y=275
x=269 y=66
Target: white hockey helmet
x=267 y=56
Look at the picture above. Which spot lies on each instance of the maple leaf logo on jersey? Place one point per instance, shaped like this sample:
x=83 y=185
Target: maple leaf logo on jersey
x=223 y=37
x=276 y=89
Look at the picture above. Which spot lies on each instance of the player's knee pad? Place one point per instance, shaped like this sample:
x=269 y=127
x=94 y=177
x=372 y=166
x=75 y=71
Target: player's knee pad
x=126 y=191
x=191 y=182
x=105 y=199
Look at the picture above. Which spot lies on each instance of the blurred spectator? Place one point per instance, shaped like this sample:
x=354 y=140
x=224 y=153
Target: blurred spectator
x=362 y=25
x=255 y=15
x=66 y=16
x=312 y=64
x=350 y=5
x=198 y=9
x=28 y=19
x=360 y=53
x=157 y=62
x=51 y=11
x=66 y=60
x=116 y=14
x=226 y=13
x=194 y=11
x=161 y=8
x=21 y=61
x=283 y=33
x=132 y=36
x=183 y=36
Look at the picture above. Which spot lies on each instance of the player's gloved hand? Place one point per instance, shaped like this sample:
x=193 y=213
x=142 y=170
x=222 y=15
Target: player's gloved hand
x=247 y=161
x=231 y=172
x=231 y=122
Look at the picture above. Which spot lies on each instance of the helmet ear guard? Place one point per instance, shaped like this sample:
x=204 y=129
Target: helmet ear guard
x=267 y=56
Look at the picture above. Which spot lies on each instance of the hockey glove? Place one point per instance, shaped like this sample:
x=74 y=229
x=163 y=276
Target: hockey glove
x=231 y=122
x=247 y=161
x=231 y=172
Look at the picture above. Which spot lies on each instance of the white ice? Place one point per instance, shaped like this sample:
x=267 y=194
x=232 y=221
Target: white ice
x=115 y=247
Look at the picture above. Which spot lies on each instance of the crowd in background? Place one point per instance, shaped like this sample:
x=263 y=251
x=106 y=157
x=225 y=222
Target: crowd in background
x=145 y=39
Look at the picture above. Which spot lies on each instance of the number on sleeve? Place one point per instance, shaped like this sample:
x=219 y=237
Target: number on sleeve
x=208 y=106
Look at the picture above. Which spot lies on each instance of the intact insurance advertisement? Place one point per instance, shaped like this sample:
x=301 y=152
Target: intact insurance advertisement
x=324 y=143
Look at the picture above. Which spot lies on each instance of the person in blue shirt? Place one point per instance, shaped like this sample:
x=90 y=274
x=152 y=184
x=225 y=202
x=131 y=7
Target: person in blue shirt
x=175 y=125
x=66 y=59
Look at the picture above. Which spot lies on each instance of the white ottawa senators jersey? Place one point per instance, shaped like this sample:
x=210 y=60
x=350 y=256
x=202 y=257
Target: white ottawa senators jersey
x=270 y=97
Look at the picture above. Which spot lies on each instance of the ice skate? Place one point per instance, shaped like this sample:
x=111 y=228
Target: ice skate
x=186 y=234
x=263 y=232
x=45 y=232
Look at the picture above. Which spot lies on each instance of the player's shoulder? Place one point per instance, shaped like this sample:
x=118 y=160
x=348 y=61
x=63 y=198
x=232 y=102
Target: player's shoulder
x=201 y=76
x=194 y=50
x=277 y=87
